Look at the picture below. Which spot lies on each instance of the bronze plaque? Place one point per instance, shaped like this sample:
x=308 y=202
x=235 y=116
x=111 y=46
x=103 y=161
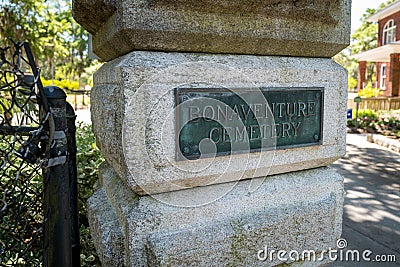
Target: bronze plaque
x=246 y=120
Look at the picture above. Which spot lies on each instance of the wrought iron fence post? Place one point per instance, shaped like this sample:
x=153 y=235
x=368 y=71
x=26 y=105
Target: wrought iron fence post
x=37 y=125
x=57 y=229
x=73 y=184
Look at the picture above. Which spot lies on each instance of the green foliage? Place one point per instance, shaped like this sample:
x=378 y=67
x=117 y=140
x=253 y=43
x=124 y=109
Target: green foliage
x=344 y=59
x=88 y=253
x=365 y=37
x=366 y=118
x=87 y=76
x=352 y=83
x=370 y=121
x=368 y=91
x=20 y=217
x=64 y=84
x=5 y=104
x=57 y=41
x=367 y=114
x=21 y=20
x=88 y=160
x=389 y=124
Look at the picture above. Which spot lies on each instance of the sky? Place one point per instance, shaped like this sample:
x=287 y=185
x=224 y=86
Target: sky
x=358 y=9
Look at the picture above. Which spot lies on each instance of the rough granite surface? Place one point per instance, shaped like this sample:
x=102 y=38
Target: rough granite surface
x=293 y=211
x=109 y=239
x=304 y=28
x=133 y=119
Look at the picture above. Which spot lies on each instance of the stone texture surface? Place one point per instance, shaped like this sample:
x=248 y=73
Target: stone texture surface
x=109 y=238
x=93 y=13
x=294 y=211
x=269 y=27
x=133 y=98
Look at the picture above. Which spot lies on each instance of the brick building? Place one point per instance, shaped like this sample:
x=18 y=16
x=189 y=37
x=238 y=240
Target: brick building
x=387 y=54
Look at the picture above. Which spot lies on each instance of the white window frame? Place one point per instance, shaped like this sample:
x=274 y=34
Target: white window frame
x=383 y=77
x=389 y=33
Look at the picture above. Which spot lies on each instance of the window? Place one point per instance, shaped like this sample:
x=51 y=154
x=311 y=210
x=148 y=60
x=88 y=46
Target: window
x=389 y=33
x=383 y=77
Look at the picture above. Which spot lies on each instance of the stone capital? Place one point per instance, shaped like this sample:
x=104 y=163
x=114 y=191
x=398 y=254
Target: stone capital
x=304 y=28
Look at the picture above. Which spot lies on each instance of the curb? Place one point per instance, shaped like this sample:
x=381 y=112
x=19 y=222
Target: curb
x=384 y=141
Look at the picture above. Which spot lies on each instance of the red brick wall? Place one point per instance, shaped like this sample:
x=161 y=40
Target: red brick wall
x=395 y=74
x=392 y=76
x=362 y=67
x=381 y=24
x=392 y=67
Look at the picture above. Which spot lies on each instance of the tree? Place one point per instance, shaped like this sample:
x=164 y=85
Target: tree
x=344 y=58
x=21 y=20
x=363 y=39
x=76 y=43
x=58 y=42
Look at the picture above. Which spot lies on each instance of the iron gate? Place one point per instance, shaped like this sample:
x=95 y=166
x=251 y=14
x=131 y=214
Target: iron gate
x=38 y=184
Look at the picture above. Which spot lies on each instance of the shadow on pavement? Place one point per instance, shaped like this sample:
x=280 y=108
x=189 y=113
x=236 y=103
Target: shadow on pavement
x=371 y=218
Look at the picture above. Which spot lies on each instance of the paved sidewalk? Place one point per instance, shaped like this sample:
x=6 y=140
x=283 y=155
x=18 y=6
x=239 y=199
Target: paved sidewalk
x=371 y=218
x=83 y=115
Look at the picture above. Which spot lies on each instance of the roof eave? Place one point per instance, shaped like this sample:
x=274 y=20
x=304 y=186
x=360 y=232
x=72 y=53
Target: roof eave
x=379 y=54
x=383 y=13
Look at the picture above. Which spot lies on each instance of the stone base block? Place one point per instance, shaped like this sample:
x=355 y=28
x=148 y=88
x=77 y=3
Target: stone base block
x=294 y=211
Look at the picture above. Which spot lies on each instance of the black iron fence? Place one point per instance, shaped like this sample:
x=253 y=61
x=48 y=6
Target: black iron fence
x=38 y=184
x=79 y=98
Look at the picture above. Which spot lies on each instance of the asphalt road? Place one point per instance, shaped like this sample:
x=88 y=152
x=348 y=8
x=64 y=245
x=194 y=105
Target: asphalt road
x=371 y=219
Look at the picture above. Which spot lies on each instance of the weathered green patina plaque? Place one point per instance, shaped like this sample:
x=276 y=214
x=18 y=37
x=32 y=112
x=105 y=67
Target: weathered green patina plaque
x=217 y=122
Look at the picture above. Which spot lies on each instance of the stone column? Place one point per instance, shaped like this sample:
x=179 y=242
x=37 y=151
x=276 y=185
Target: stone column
x=362 y=68
x=218 y=121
